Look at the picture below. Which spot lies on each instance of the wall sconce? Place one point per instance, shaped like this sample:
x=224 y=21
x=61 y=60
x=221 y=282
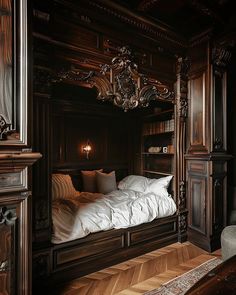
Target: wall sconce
x=87 y=149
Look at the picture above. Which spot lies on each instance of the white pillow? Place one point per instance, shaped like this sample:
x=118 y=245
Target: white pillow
x=136 y=183
x=159 y=185
x=145 y=185
x=62 y=186
x=106 y=182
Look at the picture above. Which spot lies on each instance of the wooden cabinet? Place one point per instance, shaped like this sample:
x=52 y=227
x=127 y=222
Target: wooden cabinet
x=206 y=157
x=15 y=150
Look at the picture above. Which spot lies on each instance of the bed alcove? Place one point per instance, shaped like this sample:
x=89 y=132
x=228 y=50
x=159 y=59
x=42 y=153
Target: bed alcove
x=65 y=113
x=75 y=117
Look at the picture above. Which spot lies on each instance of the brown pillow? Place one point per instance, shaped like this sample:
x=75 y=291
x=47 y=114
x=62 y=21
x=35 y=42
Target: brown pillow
x=89 y=180
x=62 y=186
x=106 y=182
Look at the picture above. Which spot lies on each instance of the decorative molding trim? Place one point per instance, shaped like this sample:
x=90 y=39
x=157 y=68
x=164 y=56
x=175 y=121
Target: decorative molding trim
x=140 y=23
x=201 y=38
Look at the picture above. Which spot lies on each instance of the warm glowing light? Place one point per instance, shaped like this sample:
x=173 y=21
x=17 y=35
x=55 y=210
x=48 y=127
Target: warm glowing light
x=87 y=149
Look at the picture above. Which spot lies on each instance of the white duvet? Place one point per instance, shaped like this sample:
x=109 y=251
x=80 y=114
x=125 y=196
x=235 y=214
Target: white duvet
x=88 y=212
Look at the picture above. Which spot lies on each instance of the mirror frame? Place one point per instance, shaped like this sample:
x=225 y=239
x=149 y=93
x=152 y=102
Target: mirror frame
x=20 y=73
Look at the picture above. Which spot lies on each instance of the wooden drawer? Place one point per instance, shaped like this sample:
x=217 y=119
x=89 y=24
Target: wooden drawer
x=68 y=255
x=13 y=181
x=158 y=230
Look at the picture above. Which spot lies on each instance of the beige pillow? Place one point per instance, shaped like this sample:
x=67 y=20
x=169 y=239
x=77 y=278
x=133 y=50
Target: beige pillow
x=89 y=180
x=106 y=182
x=62 y=186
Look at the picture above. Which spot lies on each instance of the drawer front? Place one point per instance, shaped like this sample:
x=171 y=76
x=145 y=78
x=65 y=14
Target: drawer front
x=13 y=181
x=64 y=256
x=157 y=231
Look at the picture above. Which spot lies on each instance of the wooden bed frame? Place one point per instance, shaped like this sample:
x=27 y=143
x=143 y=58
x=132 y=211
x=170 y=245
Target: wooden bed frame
x=99 y=250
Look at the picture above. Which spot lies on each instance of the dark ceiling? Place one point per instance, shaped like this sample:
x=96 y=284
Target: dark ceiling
x=187 y=17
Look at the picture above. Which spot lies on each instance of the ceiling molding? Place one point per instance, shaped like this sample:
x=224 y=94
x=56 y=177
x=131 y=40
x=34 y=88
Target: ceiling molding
x=153 y=29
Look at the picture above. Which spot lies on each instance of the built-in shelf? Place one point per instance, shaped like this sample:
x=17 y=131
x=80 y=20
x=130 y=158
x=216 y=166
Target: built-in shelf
x=160 y=114
x=160 y=133
x=157 y=172
x=161 y=154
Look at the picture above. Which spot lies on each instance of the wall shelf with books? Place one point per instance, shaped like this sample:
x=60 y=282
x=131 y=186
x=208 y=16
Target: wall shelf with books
x=158 y=142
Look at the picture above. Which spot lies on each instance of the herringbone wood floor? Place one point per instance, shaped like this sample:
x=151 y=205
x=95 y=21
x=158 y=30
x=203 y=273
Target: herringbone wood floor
x=140 y=274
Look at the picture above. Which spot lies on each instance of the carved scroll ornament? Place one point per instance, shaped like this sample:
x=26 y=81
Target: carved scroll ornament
x=127 y=88
x=120 y=82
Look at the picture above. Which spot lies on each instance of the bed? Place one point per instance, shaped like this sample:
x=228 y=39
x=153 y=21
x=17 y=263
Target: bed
x=92 y=230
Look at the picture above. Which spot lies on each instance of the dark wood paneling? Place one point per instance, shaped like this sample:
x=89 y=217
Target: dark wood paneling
x=197 y=195
x=74 y=34
x=197 y=129
x=197 y=203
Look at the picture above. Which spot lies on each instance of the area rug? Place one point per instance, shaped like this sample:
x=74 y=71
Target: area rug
x=181 y=284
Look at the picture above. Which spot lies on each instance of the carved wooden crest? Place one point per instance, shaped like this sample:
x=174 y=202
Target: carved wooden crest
x=126 y=87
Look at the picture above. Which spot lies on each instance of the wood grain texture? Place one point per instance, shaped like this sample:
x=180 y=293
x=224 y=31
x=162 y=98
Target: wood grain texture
x=138 y=275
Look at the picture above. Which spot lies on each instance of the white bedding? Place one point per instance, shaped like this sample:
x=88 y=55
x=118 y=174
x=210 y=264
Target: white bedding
x=86 y=213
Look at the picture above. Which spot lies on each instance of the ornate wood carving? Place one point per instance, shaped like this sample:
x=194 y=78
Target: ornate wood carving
x=4 y=127
x=182 y=68
x=4 y=266
x=127 y=88
x=120 y=82
x=182 y=223
x=220 y=59
x=218 y=144
x=182 y=195
x=7 y=216
x=74 y=75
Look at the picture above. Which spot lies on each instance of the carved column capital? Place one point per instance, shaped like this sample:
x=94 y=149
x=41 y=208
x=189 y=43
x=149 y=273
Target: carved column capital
x=220 y=59
x=182 y=66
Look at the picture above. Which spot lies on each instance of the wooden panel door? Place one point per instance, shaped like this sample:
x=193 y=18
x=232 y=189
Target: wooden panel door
x=14 y=244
